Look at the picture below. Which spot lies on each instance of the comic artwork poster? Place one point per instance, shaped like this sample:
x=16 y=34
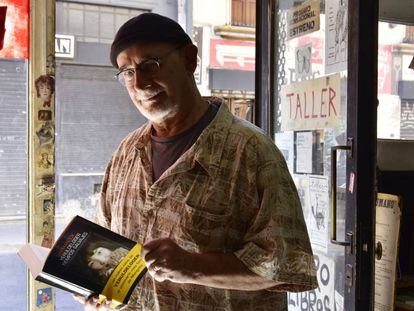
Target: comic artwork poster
x=321 y=298
x=44 y=297
x=284 y=141
x=336 y=43
x=14 y=29
x=319 y=208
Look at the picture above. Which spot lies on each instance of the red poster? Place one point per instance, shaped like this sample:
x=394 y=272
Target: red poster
x=14 y=29
x=232 y=54
x=317 y=47
x=384 y=69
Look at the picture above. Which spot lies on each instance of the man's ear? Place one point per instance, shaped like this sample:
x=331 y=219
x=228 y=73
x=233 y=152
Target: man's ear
x=190 y=55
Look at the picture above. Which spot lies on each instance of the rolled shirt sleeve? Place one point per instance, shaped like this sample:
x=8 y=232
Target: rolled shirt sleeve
x=276 y=244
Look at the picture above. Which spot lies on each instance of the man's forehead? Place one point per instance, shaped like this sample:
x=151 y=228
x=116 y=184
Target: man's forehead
x=141 y=50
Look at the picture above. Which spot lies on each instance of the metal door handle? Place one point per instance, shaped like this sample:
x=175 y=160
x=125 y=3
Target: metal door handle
x=333 y=195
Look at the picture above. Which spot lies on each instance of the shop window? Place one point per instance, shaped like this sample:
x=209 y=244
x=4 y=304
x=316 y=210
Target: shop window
x=91 y=23
x=13 y=181
x=243 y=13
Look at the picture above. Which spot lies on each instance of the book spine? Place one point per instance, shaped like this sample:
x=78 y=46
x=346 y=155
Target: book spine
x=62 y=284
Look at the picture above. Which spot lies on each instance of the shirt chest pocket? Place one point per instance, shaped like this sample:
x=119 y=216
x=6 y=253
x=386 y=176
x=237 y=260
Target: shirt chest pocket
x=204 y=212
x=202 y=230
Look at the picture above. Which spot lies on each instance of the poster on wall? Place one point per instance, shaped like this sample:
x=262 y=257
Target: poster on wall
x=284 y=141
x=321 y=298
x=319 y=205
x=387 y=228
x=336 y=43
x=303 y=61
x=311 y=104
x=14 y=29
x=303 y=19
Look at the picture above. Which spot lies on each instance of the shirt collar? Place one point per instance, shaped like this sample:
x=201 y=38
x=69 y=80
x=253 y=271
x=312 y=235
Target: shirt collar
x=208 y=148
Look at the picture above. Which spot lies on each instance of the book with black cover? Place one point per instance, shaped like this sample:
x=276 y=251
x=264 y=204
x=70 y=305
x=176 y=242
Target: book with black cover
x=88 y=259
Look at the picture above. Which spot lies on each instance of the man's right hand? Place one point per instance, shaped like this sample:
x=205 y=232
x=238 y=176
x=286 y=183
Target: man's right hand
x=92 y=303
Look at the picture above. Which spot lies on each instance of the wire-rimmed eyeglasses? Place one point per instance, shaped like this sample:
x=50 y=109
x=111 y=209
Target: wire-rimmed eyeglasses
x=147 y=68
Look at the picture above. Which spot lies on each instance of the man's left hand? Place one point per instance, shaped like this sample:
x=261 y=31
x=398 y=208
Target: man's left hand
x=166 y=260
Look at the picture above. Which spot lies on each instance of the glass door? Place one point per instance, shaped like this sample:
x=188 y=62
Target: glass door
x=320 y=130
x=394 y=270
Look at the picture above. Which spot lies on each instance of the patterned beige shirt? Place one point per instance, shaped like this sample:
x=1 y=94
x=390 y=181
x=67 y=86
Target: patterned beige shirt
x=230 y=192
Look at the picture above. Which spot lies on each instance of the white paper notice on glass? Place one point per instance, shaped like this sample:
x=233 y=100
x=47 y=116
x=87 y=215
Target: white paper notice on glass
x=303 y=152
x=387 y=228
x=284 y=141
x=323 y=297
x=336 y=43
x=319 y=206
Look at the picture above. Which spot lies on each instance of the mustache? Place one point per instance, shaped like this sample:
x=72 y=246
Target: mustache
x=147 y=93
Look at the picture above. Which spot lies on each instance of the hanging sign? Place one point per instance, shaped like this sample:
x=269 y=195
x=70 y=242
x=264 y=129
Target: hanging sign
x=303 y=19
x=64 y=46
x=312 y=104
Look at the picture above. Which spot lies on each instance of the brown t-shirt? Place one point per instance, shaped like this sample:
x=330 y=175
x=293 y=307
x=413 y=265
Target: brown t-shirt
x=166 y=150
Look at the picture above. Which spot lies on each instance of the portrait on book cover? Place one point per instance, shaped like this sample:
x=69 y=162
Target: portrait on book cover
x=100 y=257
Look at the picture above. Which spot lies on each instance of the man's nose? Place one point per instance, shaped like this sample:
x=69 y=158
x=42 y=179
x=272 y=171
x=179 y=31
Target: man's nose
x=141 y=81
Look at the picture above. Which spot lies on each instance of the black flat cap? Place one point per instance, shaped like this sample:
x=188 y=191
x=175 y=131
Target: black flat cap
x=147 y=27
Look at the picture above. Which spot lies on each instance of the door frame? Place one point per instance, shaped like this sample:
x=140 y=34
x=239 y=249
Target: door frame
x=362 y=130
x=361 y=133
